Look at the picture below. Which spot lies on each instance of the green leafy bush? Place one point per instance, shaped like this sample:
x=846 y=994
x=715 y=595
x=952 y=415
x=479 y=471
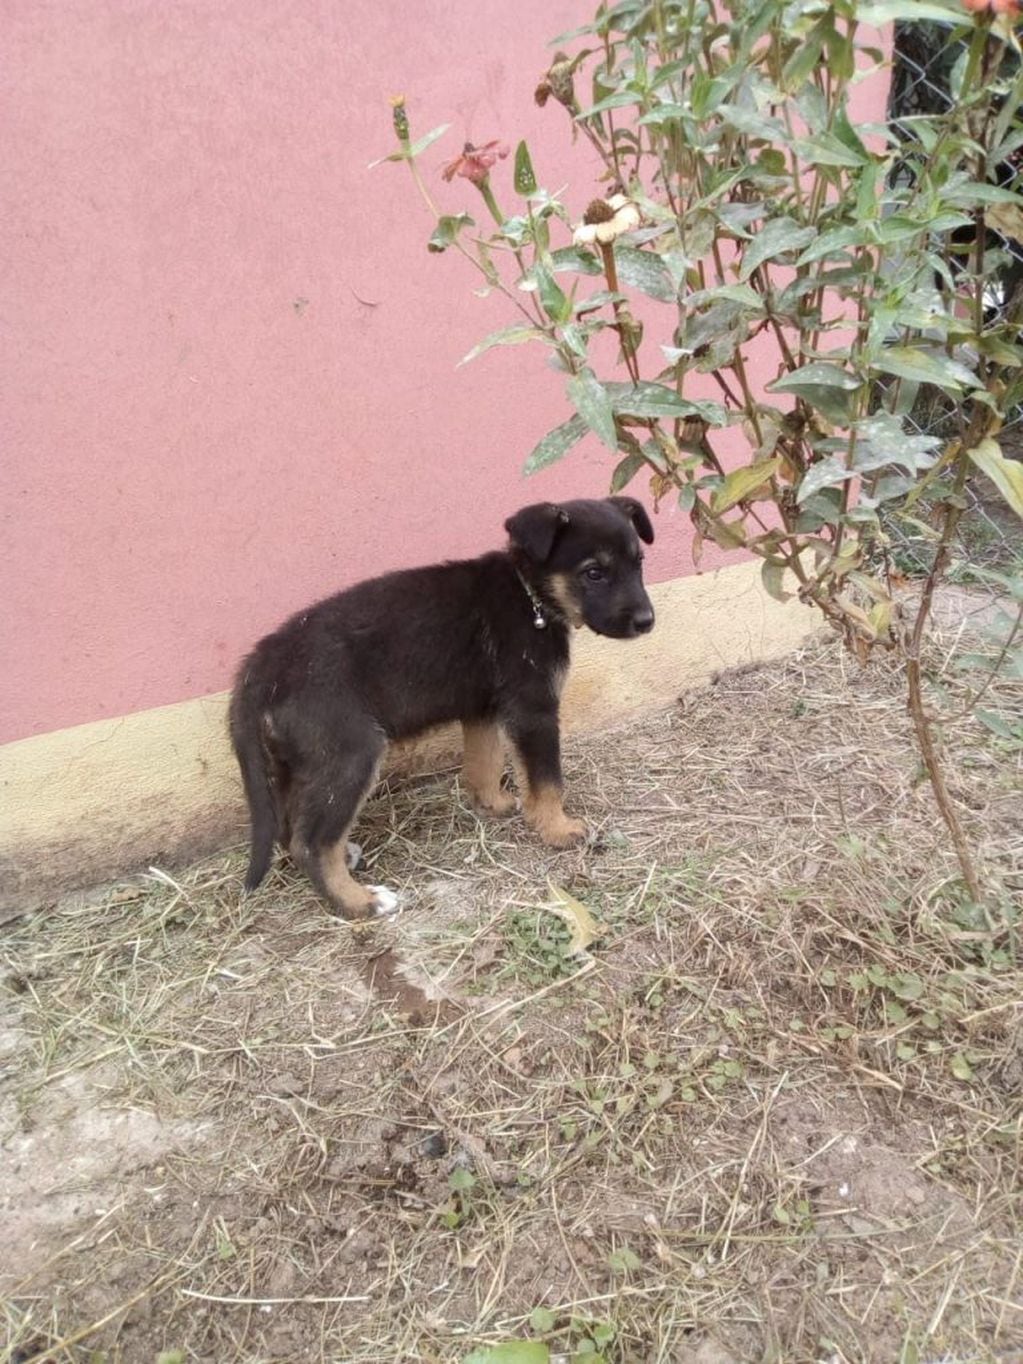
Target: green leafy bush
x=745 y=219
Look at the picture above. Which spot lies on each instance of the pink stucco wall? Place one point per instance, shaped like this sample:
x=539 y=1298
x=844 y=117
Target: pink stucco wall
x=230 y=362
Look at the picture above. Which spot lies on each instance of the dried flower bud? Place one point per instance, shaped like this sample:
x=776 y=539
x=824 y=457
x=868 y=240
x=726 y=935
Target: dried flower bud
x=598 y=211
x=557 y=81
x=399 y=118
x=560 y=77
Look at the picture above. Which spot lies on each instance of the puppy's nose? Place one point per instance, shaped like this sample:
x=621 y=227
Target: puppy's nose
x=643 y=621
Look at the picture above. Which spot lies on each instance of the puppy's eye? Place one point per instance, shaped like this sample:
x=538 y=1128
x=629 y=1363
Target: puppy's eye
x=594 y=573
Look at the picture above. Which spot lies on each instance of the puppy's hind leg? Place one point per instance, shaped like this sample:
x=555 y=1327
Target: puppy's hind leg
x=483 y=765
x=324 y=811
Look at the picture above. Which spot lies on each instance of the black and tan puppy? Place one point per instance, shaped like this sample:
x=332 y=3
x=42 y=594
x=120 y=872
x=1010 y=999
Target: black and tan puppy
x=484 y=641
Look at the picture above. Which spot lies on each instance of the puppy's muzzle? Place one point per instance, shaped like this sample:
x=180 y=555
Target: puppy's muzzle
x=643 y=620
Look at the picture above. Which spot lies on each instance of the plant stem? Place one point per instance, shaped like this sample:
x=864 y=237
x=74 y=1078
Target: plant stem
x=914 y=682
x=607 y=251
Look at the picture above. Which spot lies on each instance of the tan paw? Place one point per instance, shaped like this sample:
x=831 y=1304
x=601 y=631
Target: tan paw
x=357 y=903
x=563 y=833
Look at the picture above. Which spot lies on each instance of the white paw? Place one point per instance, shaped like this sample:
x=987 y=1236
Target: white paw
x=353 y=855
x=385 y=902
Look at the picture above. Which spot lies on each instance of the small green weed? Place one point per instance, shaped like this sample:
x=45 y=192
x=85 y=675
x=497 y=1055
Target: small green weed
x=537 y=948
x=459 y=1209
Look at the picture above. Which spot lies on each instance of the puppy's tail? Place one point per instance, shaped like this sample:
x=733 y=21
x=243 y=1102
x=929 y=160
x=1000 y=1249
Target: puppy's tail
x=252 y=759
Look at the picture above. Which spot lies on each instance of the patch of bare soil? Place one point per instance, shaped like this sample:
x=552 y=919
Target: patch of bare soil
x=774 y=1116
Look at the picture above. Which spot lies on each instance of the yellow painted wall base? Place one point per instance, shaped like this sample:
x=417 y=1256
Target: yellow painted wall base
x=85 y=804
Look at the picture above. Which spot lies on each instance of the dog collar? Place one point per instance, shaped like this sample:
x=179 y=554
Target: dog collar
x=539 y=615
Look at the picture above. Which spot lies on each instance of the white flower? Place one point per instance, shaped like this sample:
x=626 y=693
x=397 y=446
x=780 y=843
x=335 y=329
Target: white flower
x=607 y=219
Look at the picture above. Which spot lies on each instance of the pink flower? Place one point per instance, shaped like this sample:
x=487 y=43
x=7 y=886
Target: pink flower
x=475 y=162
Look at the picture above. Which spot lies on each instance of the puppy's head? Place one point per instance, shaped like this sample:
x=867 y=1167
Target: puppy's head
x=586 y=557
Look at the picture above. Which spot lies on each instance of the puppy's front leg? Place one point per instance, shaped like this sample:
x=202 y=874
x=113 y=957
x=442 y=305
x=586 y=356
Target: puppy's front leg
x=537 y=747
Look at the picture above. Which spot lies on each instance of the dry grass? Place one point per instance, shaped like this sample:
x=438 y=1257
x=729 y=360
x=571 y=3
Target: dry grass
x=777 y=1118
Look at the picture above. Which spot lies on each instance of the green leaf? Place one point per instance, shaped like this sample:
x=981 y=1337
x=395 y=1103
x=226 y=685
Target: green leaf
x=524 y=177
x=882 y=440
x=447 y=230
x=837 y=242
x=742 y=294
x=407 y=153
x=576 y=338
x=778 y=237
x=590 y=399
x=825 y=386
x=541 y=1320
x=960 y=1067
x=926 y=367
x=507 y=336
x=773 y=577
x=805 y=58
x=619 y=100
x=555 y=445
x=646 y=272
x=564 y=259
x=908 y=987
x=968 y=193
x=993 y=721
x=753 y=124
x=1001 y=351
x=625 y=471
x=556 y=304
x=770 y=166
x=827 y=473
x=711 y=336
x=665 y=113
x=511 y=1352
x=825 y=150
x=573 y=258
x=882 y=12
x=848 y=136
x=461 y=1180
x=741 y=483
x=1005 y=474
x=820 y=374
x=621 y=1261
x=648 y=399
x=598 y=300
x=923 y=127
x=603 y=1333
x=828 y=150
x=727 y=534
x=427 y=138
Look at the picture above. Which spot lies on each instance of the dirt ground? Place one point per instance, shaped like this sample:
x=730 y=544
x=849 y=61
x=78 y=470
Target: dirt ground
x=773 y=1114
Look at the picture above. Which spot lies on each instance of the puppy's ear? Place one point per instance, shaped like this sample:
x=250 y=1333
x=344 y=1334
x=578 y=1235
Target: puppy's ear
x=636 y=513
x=534 y=529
